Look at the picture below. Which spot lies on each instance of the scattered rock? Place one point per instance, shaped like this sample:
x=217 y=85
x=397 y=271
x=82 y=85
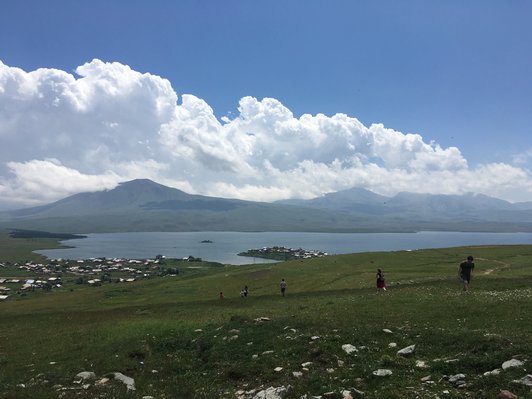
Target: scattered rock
x=267 y=352
x=387 y=331
x=314 y=337
x=407 y=351
x=277 y=369
x=297 y=374
x=526 y=380
x=492 y=372
x=86 y=375
x=330 y=370
x=421 y=364
x=273 y=393
x=426 y=378
x=103 y=381
x=504 y=394
x=329 y=394
x=392 y=345
x=198 y=330
x=261 y=319
x=347 y=395
x=234 y=337
x=512 y=363
x=352 y=393
x=255 y=356
x=382 y=372
x=128 y=381
x=348 y=348
x=306 y=364
x=457 y=379
x=234 y=331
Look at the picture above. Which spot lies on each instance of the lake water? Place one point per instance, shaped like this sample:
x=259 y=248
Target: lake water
x=226 y=245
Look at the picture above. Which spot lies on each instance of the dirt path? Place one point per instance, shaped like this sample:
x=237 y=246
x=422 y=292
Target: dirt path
x=503 y=265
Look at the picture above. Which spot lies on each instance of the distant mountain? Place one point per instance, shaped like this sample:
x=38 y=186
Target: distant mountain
x=143 y=205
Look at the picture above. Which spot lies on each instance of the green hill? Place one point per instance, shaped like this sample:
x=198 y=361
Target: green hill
x=176 y=339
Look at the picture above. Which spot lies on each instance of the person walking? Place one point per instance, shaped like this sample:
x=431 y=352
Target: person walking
x=381 y=284
x=246 y=291
x=465 y=270
x=282 y=285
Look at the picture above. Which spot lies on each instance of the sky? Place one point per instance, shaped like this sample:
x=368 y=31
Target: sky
x=265 y=100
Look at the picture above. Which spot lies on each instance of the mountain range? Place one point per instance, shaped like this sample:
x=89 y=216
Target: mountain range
x=143 y=205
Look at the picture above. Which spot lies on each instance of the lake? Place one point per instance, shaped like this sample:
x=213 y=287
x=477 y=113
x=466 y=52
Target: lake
x=226 y=245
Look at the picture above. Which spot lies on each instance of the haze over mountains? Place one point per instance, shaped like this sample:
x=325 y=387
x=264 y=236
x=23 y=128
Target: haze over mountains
x=143 y=205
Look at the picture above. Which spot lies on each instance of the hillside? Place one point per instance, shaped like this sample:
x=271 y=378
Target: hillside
x=143 y=205
x=174 y=338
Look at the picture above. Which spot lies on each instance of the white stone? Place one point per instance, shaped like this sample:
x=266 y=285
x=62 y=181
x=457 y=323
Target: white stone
x=314 y=338
x=387 y=331
x=347 y=395
x=306 y=364
x=392 y=345
x=348 y=348
x=86 y=375
x=512 y=363
x=454 y=379
x=452 y=360
x=128 y=381
x=330 y=370
x=407 y=351
x=297 y=374
x=421 y=364
x=526 y=380
x=277 y=369
x=382 y=372
x=492 y=372
x=272 y=393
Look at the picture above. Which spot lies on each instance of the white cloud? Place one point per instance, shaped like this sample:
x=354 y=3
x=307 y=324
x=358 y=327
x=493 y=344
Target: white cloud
x=62 y=133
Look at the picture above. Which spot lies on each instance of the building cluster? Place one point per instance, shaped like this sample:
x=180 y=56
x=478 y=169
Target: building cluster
x=93 y=271
x=286 y=253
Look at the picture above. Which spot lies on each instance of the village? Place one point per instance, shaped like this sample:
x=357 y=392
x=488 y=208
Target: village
x=31 y=276
x=283 y=253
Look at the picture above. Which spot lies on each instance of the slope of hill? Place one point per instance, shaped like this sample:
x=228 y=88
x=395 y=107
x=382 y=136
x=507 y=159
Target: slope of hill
x=331 y=333
x=143 y=205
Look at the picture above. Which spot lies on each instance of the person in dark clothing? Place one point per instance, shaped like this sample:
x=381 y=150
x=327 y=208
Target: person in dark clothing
x=465 y=270
x=282 y=285
x=381 y=284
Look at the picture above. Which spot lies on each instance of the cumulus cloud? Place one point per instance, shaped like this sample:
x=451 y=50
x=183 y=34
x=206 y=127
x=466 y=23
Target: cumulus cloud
x=63 y=133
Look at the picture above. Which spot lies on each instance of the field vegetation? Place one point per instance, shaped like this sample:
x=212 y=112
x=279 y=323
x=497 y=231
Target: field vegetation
x=177 y=339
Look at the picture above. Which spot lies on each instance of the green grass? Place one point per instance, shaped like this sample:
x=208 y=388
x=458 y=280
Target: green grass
x=148 y=330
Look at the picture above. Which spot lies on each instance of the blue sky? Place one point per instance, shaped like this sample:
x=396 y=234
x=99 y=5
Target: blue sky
x=455 y=73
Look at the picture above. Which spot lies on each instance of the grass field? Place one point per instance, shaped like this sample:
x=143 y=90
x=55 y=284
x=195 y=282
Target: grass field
x=178 y=340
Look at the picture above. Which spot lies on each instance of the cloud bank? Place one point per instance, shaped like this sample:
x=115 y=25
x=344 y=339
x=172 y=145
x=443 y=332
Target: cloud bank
x=62 y=133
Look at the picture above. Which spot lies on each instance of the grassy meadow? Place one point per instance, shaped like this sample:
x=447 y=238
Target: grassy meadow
x=177 y=339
